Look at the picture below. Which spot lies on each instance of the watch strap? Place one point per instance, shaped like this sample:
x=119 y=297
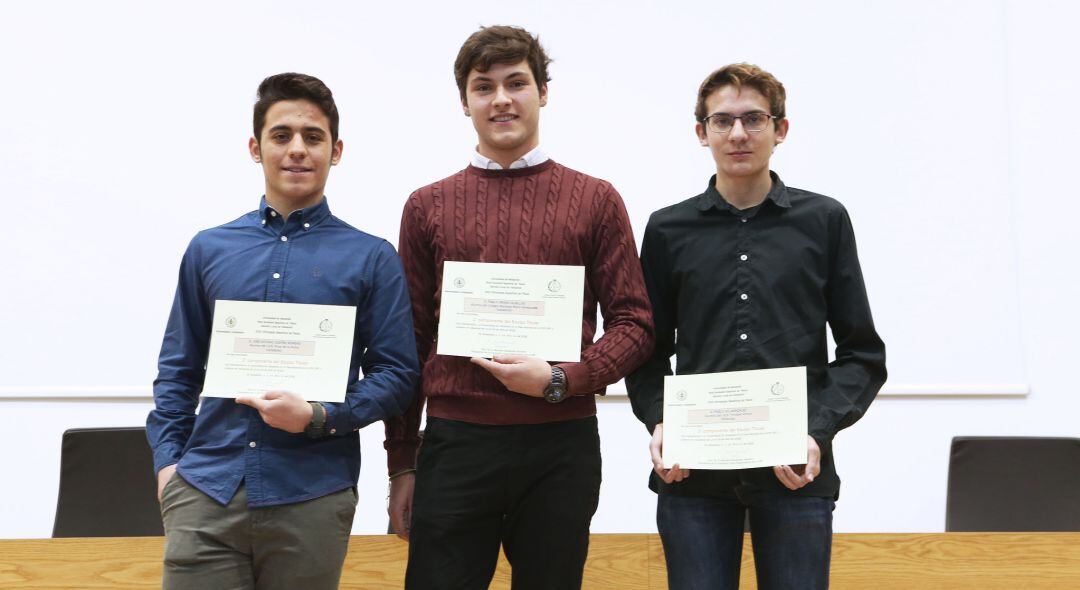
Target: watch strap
x=556 y=391
x=317 y=427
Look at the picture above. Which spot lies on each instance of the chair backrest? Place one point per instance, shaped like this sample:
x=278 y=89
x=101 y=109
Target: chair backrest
x=1013 y=484
x=107 y=485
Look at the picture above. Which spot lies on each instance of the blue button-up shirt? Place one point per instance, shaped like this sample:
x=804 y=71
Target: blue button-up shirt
x=312 y=257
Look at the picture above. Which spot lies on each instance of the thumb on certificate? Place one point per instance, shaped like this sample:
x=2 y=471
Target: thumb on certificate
x=255 y=401
x=489 y=365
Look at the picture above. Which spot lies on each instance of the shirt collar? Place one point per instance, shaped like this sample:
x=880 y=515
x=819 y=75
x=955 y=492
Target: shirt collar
x=711 y=198
x=308 y=216
x=534 y=157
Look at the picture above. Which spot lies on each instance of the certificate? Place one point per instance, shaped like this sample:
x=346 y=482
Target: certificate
x=529 y=309
x=257 y=347
x=735 y=420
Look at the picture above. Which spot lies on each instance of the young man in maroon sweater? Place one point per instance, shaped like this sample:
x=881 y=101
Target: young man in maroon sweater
x=511 y=453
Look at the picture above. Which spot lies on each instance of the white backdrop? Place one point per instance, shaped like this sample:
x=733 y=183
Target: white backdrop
x=943 y=127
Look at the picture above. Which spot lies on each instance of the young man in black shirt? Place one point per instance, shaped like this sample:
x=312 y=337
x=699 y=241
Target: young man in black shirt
x=748 y=274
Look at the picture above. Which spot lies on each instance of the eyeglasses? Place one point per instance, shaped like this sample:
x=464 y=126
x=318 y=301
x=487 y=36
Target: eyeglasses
x=752 y=122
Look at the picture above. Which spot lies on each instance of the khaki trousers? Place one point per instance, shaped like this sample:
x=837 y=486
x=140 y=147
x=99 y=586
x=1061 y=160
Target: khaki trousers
x=210 y=546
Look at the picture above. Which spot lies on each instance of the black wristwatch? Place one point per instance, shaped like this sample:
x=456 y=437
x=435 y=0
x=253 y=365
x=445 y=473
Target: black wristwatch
x=317 y=427
x=555 y=392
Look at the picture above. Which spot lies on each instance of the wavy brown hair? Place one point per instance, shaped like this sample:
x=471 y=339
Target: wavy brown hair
x=739 y=75
x=500 y=44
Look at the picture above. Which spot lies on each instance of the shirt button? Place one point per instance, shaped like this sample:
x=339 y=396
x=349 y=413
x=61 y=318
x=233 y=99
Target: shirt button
x=744 y=220
x=743 y=296
x=307 y=225
x=742 y=336
x=252 y=444
x=333 y=431
x=742 y=257
x=273 y=213
x=277 y=275
x=286 y=239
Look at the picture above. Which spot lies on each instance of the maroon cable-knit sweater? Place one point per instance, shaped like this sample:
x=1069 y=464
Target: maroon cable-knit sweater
x=542 y=214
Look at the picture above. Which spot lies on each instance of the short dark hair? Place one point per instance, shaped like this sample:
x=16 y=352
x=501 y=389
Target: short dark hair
x=500 y=44
x=293 y=86
x=739 y=75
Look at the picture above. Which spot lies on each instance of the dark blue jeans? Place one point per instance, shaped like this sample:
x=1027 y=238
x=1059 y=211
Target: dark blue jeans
x=703 y=538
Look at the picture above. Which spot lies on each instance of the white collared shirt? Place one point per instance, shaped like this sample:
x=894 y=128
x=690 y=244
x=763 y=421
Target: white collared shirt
x=534 y=157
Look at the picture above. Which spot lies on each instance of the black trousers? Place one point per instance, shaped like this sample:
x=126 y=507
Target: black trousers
x=533 y=488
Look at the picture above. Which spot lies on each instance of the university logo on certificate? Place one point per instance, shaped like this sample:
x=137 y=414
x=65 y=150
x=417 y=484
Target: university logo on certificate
x=735 y=420
x=258 y=346
x=527 y=309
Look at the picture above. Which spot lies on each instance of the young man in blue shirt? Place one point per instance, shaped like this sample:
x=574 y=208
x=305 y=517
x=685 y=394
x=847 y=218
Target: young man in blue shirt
x=747 y=275
x=260 y=492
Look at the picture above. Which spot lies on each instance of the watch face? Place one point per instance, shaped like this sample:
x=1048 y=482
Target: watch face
x=555 y=394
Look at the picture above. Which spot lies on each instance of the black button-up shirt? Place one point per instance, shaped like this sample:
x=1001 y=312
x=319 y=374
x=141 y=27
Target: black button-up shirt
x=735 y=290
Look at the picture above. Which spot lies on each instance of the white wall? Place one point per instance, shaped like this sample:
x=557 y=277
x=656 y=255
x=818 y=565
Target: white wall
x=957 y=159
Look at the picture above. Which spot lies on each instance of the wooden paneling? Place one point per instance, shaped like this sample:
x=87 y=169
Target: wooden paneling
x=114 y=563
x=616 y=562
x=976 y=561
x=953 y=561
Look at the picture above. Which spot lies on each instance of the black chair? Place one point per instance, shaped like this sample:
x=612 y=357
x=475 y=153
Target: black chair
x=107 y=485
x=1013 y=484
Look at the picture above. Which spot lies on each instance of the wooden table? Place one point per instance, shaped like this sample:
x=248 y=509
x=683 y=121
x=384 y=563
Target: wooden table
x=952 y=561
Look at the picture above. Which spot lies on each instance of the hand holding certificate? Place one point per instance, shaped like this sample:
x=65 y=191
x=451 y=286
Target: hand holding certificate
x=257 y=347
x=735 y=420
x=522 y=309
